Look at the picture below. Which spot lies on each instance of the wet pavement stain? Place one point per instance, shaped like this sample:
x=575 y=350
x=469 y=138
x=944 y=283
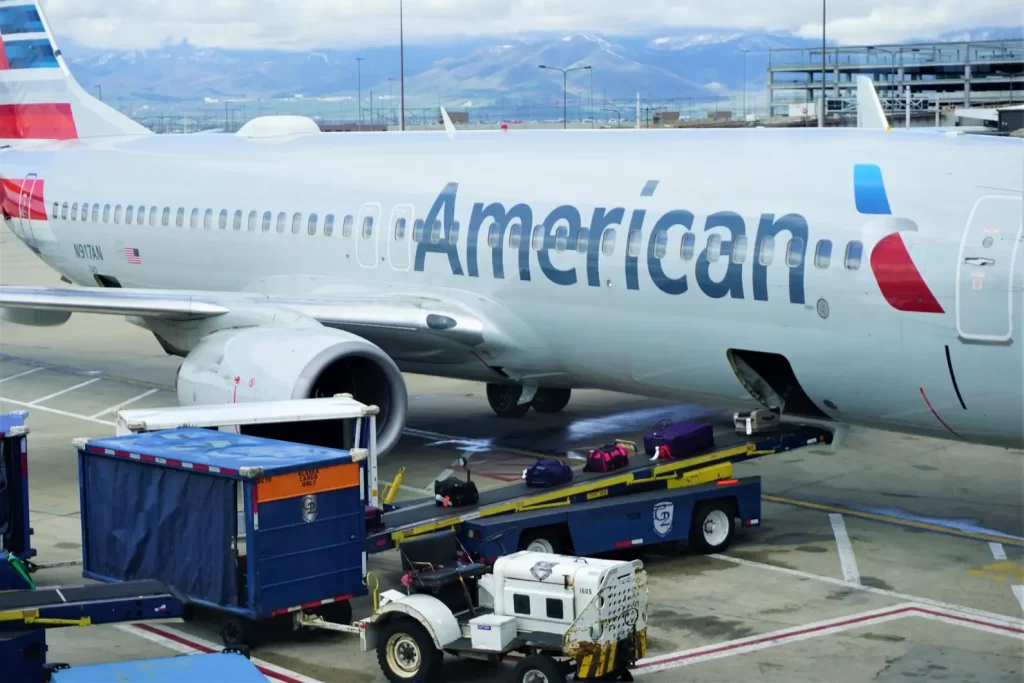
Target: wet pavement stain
x=840 y=594
x=67 y=546
x=810 y=549
x=763 y=557
x=925 y=468
x=710 y=627
x=881 y=636
x=656 y=645
x=872 y=582
x=797 y=539
x=901 y=495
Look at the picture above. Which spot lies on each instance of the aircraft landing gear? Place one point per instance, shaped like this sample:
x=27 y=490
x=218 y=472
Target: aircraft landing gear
x=505 y=400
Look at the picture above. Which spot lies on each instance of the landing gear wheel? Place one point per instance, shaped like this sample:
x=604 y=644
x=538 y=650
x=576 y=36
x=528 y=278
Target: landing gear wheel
x=551 y=400
x=406 y=653
x=539 y=669
x=504 y=400
x=235 y=631
x=712 y=528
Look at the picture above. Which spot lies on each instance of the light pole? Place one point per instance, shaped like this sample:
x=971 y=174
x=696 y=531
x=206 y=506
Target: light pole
x=401 y=57
x=565 y=75
x=359 y=76
x=391 y=100
x=744 y=51
x=592 y=117
x=821 y=110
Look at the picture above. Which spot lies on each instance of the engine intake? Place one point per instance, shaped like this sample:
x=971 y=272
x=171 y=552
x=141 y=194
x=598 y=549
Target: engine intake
x=276 y=364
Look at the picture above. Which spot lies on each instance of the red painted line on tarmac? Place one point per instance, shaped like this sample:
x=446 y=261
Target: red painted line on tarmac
x=202 y=648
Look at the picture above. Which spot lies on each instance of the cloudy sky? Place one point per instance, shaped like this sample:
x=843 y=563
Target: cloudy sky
x=292 y=24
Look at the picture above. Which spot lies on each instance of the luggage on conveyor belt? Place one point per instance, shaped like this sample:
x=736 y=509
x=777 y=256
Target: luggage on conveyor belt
x=453 y=492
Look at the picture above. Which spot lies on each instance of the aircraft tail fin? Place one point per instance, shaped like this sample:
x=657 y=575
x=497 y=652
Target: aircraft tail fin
x=869 y=110
x=40 y=100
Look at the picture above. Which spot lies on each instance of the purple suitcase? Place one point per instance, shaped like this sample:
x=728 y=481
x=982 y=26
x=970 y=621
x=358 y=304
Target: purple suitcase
x=682 y=439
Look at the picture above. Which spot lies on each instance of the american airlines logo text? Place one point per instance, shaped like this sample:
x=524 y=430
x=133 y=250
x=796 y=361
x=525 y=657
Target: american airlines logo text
x=567 y=216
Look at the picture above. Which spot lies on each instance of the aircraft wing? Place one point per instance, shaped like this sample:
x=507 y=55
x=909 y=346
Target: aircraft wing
x=383 y=313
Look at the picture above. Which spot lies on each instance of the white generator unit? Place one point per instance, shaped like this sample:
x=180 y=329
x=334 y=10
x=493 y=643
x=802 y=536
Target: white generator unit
x=566 y=615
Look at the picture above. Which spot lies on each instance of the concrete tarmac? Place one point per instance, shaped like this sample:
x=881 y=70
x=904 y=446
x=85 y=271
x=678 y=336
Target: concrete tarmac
x=884 y=558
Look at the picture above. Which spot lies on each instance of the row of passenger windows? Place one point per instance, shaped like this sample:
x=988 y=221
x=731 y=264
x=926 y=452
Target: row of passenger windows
x=735 y=250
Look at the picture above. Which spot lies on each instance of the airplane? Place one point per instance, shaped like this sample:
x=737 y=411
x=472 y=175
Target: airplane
x=860 y=276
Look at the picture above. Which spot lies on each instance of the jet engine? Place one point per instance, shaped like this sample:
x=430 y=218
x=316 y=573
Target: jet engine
x=277 y=364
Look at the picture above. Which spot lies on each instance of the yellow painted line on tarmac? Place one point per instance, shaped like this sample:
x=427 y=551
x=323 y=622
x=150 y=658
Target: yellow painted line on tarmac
x=924 y=526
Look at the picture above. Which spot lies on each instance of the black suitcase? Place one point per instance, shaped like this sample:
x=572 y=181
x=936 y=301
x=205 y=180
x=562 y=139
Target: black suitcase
x=453 y=492
x=374 y=518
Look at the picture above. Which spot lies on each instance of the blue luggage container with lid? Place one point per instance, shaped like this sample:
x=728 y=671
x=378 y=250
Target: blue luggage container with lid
x=252 y=527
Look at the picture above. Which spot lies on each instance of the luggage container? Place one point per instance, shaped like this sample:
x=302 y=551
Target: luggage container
x=15 y=530
x=165 y=505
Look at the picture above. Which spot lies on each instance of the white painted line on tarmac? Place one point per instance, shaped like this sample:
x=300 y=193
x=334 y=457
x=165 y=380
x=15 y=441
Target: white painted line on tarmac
x=20 y=374
x=846 y=558
x=190 y=644
x=970 y=611
x=998 y=551
x=1018 y=592
x=63 y=413
x=65 y=391
x=122 y=404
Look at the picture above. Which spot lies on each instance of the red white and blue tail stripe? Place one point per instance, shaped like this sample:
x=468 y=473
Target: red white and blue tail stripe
x=40 y=100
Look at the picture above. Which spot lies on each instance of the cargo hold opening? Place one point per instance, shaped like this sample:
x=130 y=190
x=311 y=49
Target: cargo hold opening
x=770 y=379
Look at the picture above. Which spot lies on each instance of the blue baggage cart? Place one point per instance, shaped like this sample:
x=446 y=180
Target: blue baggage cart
x=254 y=528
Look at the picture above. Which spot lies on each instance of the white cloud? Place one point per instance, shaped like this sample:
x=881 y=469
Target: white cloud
x=306 y=24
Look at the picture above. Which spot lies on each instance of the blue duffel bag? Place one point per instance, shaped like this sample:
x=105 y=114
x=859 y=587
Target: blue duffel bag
x=546 y=473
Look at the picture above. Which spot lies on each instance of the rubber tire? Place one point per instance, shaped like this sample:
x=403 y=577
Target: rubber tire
x=430 y=657
x=542 y=664
x=551 y=400
x=235 y=631
x=700 y=516
x=504 y=400
x=556 y=537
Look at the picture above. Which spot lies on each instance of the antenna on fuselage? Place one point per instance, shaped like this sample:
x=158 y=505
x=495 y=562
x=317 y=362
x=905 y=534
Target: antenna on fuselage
x=448 y=126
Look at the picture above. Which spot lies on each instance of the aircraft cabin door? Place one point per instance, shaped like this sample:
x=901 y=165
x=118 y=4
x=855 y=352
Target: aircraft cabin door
x=25 y=199
x=367 y=227
x=985 y=269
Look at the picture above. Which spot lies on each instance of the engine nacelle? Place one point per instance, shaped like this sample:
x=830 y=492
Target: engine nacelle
x=278 y=364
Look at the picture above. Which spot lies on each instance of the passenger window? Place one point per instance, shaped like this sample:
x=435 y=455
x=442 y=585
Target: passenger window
x=347 y=225
x=268 y=218
x=714 y=247
x=254 y=219
x=222 y=223
x=687 y=247
x=661 y=245
x=515 y=236
x=166 y=219
x=854 y=251
x=237 y=223
x=453 y=233
x=64 y=211
x=554 y=605
x=193 y=220
x=152 y=216
x=311 y=225
x=56 y=209
x=823 y=254
x=140 y=216
x=608 y=242
x=493 y=237
x=538 y=237
x=633 y=243
x=368 y=227
x=767 y=251
x=117 y=214
x=418 y=230
x=106 y=213
x=400 y=229
x=583 y=240
x=794 y=253
x=95 y=213
x=129 y=214
x=739 y=249
x=561 y=238
x=85 y=212
x=179 y=218
x=520 y=603
x=74 y=211
x=282 y=218
x=208 y=219
x=329 y=225
x=435 y=233
x=296 y=223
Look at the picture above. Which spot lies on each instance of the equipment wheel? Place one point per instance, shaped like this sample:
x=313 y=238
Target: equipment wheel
x=406 y=653
x=551 y=400
x=235 y=631
x=504 y=400
x=539 y=669
x=712 y=528
x=551 y=539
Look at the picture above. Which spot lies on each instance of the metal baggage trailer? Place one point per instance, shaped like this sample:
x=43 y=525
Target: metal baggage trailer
x=162 y=505
x=420 y=517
